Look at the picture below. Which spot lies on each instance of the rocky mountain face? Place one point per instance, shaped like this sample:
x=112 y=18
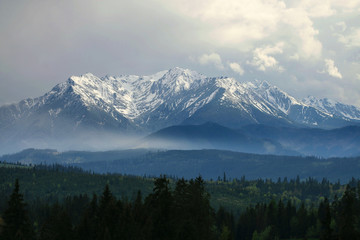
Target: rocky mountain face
x=132 y=104
x=334 y=108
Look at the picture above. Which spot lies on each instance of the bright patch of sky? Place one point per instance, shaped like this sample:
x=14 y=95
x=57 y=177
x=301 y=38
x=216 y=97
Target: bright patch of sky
x=305 y=47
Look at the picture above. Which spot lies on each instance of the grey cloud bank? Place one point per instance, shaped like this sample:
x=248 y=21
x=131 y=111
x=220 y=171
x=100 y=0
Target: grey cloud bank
x=304 y=47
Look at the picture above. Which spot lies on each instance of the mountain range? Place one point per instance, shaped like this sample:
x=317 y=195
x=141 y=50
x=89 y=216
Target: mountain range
x=190 y=163
x=213 y=136
x=86 y=106
x=260 y=139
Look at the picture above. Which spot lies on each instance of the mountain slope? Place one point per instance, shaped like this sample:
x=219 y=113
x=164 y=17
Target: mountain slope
x=211 y=136
x=294 y=110
x=210 y=164
x=257 y=138
x=86 y=106
x=311 y=141
x=344 y=111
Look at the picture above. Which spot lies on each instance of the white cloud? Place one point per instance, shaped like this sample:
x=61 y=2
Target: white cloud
x=327 y=8
x=61 y=40
x=345 y=5
x=352 y=39
x=301 y=33
x=263 y=60
x=236 y=67
x=331 y=69
x=212 y=58
x=232 y=22
x=358 y=76
x=317 y=9
x=242 y=24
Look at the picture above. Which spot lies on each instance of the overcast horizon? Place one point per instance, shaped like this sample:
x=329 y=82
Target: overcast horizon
x=303 y=47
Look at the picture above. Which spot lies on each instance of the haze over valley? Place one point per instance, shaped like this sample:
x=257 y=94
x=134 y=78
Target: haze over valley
x=179 y=109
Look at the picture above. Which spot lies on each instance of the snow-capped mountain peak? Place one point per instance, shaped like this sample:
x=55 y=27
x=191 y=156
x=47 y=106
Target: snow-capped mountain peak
x=178 y=79
x=277 y=98
x=141 y=98
x=265 y=85
x=170 y=97
x=344 y=111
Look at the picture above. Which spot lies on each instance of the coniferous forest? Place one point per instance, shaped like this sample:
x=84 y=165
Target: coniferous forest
x=173 y=208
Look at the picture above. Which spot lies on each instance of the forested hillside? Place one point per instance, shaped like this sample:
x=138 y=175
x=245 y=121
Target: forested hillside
x=177 y=209
x=190 y=163
x=54 y=183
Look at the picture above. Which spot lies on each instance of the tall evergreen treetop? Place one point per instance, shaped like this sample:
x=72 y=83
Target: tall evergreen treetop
x=17 y=223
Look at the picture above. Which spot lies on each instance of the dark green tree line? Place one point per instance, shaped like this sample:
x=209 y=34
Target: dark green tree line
x=180 y=211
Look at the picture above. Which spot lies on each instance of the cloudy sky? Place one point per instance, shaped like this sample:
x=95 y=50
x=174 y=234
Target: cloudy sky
x=305 y=47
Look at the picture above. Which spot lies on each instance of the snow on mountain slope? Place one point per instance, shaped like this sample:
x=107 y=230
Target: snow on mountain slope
x=347 y=112
x=294 y=110
x=133 y=95
x=275 y=97
x=13 y=112
x=149 y=103
x=86 y=106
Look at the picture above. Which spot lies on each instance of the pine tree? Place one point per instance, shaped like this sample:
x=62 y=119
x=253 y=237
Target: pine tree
x=17 y=223
x=324 y=216
x=281 y=219
x=108 y=215
x=139 y=216
x=160 y=202
x=300 y=223
x=225 y=219
x=201 y=211
x=58 y=226
x=87 y=228
x=347 y=216
x=181 y=211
